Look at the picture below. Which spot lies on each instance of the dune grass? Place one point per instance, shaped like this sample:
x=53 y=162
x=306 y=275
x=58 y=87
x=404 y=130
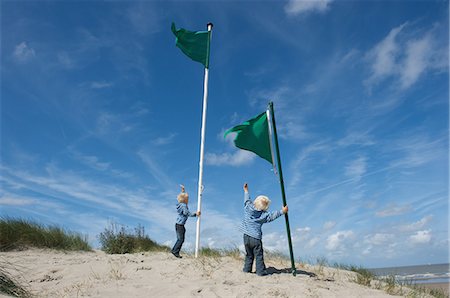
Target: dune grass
x=22 y=234
x=215 y=253
x=11 y=287
x=116 y=239
x=363 y=276
x=390 y=284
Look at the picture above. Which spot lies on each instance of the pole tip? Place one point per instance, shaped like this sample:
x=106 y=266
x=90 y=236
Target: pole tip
x=209 y=24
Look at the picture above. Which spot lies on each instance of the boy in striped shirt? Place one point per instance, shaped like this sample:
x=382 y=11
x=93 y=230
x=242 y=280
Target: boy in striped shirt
x=183 y=214
x=255 y=215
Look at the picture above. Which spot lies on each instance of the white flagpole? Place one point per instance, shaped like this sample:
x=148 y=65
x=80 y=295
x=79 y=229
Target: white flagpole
x=202 y=150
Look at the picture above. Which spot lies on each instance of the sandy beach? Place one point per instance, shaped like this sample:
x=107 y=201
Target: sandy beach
x=48 y=273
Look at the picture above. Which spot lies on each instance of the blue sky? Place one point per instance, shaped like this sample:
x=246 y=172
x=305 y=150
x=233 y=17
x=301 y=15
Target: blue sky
x=101 y=115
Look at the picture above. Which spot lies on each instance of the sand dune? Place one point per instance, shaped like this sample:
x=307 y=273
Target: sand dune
x=48 y=273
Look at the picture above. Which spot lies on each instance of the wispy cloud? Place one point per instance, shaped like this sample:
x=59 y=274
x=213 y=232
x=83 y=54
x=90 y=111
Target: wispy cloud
x=165 y=140
x=65 y=60
x=235 y=158
x=383 y=57
x=67 y=187
x=302 y=157
x=92 y=161
x=238 y=158
x=416 y=225
x=101 y=85
x=302 y=7
x=329 y=225
x=144 y=18
x=14 y=201
x=356 y=168
x=418 y=149
x=155 y=169
x=360 y=138
x=405 y=55
x=108 y=123
x=393 y=210
x=379 y=238
x=23 y=53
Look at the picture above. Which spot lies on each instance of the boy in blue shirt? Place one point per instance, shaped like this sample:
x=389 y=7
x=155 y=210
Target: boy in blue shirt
x=183 y=214
x=255 y=215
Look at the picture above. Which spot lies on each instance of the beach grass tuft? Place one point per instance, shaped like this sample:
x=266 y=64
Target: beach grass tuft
x=363 y=276
x=421 y=291
x=216 y=253
x=210 y=252
x=10 y=287
x=22 y=234
x=116 y=239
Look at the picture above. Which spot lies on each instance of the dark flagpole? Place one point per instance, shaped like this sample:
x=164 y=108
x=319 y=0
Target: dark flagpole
x=283 y=194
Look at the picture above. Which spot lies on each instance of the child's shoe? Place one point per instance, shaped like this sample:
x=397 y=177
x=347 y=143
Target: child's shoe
x=263 y=273
x=177 y=255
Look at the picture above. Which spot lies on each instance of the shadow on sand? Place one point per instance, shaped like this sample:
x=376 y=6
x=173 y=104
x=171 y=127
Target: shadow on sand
x=273 y=270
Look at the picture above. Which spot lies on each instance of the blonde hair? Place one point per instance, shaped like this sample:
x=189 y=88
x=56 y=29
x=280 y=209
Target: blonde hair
x=261 y=203
x=183 y=197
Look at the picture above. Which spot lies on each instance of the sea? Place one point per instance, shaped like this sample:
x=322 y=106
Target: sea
x=420 y=274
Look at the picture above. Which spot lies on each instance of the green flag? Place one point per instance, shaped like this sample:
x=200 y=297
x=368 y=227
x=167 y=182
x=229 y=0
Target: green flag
x=195 y=44
x=253 y=135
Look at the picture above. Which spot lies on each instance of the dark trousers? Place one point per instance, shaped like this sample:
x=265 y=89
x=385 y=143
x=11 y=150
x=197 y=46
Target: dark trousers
x=180 y=229
x=254 y=250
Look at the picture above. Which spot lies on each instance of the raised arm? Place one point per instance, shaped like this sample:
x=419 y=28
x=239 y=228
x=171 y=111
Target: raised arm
x=246 y=195
x=271 y=216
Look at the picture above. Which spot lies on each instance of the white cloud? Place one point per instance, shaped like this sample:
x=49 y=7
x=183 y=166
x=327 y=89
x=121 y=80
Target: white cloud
x=292 y=131
x=23 y=52
x=329 y=225
x=405 y=56
x=304 y=230
x=421 y=237
x=379 y=238
x=312 y=242
x=108 y=123
x=338 y=240
x=384 y=56
x=356 y=168
x=93 y=162
x=298 y=7
x=240 y=157
x=165 y=140
x=275 y=242
x=416 y=60
x=393 y=210
x=416 y=225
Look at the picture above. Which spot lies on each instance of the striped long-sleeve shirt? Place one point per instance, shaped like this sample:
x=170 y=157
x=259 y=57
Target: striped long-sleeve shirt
x=254 y=219
x=183 y=213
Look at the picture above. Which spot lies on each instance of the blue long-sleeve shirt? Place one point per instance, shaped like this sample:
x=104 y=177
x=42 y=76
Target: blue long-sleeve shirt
x=183 y=213
x=254 y=219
